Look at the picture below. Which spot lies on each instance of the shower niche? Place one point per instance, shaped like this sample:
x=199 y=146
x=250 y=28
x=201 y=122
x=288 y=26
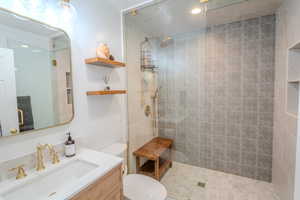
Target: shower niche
x=293 y=80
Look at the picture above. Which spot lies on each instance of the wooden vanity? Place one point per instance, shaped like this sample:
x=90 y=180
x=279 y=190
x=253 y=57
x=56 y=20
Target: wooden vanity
x=108 y=187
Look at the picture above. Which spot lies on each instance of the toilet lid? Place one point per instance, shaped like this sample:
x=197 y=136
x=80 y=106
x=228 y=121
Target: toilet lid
x=140 y=187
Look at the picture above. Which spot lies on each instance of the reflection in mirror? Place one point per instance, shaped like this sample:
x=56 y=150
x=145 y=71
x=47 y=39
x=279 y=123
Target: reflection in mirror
x=35 y=76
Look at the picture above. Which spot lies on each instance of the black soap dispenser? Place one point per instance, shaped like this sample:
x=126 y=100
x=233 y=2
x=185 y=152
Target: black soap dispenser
x=70 y=149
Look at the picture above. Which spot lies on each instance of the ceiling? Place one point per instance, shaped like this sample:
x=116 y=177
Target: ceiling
x=124 y=4
x=171 y=17
x=13 y=21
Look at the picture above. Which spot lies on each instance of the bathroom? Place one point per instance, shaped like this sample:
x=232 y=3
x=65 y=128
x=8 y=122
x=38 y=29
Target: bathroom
x=163 y=99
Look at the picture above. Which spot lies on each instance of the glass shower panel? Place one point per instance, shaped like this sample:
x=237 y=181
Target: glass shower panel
x=212 y=85
x=181 y=67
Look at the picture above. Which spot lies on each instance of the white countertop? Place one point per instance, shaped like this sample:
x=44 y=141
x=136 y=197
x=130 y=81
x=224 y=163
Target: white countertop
x=103 y=161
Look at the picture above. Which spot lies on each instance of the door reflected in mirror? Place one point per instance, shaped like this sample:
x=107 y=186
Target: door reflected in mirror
x=35 y=76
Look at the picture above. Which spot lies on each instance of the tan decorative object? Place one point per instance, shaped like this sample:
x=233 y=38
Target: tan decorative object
x=103 y=51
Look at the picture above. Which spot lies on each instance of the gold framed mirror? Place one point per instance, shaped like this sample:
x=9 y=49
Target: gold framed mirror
x=36 y=88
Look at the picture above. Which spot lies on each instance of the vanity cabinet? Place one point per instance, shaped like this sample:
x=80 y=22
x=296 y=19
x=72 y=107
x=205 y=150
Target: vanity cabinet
x=108 y=187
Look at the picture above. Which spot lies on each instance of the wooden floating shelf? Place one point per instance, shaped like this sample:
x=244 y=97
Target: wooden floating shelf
x=104 y=62
x=104 y=92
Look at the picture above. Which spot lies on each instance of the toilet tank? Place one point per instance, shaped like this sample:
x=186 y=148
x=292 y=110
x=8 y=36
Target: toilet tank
x=120 y=150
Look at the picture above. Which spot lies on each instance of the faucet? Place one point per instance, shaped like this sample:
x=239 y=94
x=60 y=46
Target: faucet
x=39 y=157
x=53 y=154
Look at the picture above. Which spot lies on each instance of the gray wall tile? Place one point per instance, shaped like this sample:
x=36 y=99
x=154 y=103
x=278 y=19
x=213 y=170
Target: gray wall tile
x=248 y=171
x=226 y=122
x=249 y=159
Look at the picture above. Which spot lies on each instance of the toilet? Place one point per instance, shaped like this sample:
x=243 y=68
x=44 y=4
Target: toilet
x=136 y=186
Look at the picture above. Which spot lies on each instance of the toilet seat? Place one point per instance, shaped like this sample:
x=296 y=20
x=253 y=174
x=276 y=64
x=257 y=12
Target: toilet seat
x=140 y=187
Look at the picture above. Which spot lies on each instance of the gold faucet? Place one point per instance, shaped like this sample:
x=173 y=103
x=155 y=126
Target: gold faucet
x=40 y=158
x=53 y=154
x=20 y=172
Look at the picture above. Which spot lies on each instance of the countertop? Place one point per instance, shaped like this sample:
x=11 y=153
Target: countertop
x=104 y=162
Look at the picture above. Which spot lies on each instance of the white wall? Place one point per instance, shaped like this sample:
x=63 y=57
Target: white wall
x=286 y=162
x=99 y=120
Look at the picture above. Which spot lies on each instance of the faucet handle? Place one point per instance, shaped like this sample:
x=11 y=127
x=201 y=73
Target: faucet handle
x=53 y=154
x=55 y=158
x=20 y=171
x=41 y=147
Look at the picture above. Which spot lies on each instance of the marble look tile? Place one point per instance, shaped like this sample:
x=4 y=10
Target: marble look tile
x=182 y=180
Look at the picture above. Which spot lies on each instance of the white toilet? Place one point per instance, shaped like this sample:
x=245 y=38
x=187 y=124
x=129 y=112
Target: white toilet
x=136 y=186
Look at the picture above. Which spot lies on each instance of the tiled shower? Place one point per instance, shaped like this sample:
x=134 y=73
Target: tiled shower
x=216 y=96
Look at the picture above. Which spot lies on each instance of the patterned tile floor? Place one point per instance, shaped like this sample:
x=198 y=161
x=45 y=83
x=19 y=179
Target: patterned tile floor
x=182 y=181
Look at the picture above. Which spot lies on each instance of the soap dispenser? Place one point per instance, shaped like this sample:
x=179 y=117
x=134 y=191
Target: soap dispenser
x=70 y=149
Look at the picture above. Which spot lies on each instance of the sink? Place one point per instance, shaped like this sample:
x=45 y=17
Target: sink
x=51 y=183
x=61 y=181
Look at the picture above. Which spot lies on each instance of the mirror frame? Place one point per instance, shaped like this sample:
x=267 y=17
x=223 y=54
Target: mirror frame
x=71 y=71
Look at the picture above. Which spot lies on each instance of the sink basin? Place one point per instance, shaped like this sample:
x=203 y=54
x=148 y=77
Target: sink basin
x=61 y=181
x=51 y=183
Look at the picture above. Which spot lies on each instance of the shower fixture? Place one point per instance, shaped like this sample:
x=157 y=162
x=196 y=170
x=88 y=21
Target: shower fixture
x=166 y=42
x=156 y=93
x=155 y=99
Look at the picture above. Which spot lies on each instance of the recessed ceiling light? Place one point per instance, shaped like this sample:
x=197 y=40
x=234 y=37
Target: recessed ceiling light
x=196 y=11
x=24 y=46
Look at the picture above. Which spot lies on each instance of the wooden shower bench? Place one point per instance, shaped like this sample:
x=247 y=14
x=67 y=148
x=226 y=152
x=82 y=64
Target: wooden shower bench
x=159 y=157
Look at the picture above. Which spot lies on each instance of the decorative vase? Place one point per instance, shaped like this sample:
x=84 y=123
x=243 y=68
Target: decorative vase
x=102 y=51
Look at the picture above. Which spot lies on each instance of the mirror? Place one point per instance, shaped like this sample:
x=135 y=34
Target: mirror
x=35 y=75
